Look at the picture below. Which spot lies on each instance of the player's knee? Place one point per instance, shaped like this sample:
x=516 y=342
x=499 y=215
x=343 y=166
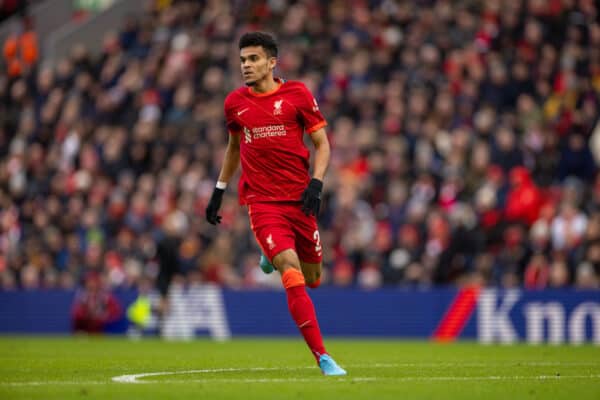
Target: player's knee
x=285 y=260
x=284 y=265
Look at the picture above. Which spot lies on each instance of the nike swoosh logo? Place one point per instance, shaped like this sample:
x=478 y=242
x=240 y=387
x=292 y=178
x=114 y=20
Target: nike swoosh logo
x=242 y=111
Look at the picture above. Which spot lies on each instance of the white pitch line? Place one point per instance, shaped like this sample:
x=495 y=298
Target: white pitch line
x=133 y=378
x=347 y=379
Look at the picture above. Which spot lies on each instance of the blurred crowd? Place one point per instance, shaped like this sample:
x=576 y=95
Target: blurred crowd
x=10 y=8
x=465 y=145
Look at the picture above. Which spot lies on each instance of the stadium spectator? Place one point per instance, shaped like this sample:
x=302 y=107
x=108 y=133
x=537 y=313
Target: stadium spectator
x=524 y=200
x=94 y=306
x=20 y=49
x=9 y=8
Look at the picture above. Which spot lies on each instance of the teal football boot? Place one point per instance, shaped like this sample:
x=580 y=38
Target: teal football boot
x=329 y=367
x=265 y=264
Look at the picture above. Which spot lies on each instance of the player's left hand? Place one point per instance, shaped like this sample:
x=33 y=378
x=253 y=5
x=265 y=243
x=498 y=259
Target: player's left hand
x=311 y=198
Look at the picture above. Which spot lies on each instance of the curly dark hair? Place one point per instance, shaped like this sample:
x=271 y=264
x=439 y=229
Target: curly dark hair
x=263 y=39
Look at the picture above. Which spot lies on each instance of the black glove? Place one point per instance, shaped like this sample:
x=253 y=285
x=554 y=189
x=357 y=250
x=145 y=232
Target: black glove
x=311 y=198
x=213 y=206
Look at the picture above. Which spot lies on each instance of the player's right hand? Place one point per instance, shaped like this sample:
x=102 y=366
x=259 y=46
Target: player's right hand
x=213 y=206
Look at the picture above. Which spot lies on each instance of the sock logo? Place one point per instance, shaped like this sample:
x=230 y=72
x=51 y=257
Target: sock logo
x=305 y=323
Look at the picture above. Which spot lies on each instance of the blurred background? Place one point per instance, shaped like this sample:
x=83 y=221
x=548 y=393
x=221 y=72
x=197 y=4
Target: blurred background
x=465 y=142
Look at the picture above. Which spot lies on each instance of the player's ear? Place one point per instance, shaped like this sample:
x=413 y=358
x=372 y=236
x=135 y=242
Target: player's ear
x=272 y=62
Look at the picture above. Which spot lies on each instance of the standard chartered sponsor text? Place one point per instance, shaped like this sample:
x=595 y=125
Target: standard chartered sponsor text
x=260 y=132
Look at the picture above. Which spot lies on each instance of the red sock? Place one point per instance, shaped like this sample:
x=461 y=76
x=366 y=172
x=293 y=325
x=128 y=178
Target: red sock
x=303 y=312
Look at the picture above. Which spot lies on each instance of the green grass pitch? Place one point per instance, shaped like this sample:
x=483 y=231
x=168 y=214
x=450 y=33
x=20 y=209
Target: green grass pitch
x=86 y=368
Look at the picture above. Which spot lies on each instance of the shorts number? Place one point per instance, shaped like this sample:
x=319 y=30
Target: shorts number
x=317 y=238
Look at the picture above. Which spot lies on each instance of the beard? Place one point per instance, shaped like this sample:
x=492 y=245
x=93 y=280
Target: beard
x=257 y=76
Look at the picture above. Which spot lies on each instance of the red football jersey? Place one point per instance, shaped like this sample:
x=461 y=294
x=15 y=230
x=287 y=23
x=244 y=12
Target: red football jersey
x=273 y=156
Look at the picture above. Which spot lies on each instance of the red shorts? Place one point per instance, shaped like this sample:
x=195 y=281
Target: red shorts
x=282 y=226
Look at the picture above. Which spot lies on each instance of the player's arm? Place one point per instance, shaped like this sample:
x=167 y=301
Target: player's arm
x=231 y=163
x=322 y=153
x=311 y=198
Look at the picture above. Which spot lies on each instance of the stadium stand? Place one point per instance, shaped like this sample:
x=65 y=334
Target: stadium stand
x=465 y=139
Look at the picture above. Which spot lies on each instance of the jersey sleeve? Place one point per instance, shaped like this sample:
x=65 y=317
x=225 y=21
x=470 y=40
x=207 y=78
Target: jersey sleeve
x=232 y=125
x=308 y=108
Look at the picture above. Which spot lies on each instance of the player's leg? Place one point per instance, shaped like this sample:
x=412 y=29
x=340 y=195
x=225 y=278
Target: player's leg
x=276 y=238
x=308 y=247
x=299 y=303
x=312 y=273
x=302 y=309
x=264 y=263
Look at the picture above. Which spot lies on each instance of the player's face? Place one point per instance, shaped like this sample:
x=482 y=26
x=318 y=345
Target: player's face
x=256 y=65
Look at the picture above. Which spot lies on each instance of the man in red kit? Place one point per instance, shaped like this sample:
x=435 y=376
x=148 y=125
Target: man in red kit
x=267 y=121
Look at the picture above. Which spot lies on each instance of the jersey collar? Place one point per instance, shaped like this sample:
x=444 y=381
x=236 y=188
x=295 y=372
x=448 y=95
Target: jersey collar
x=279 y=83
